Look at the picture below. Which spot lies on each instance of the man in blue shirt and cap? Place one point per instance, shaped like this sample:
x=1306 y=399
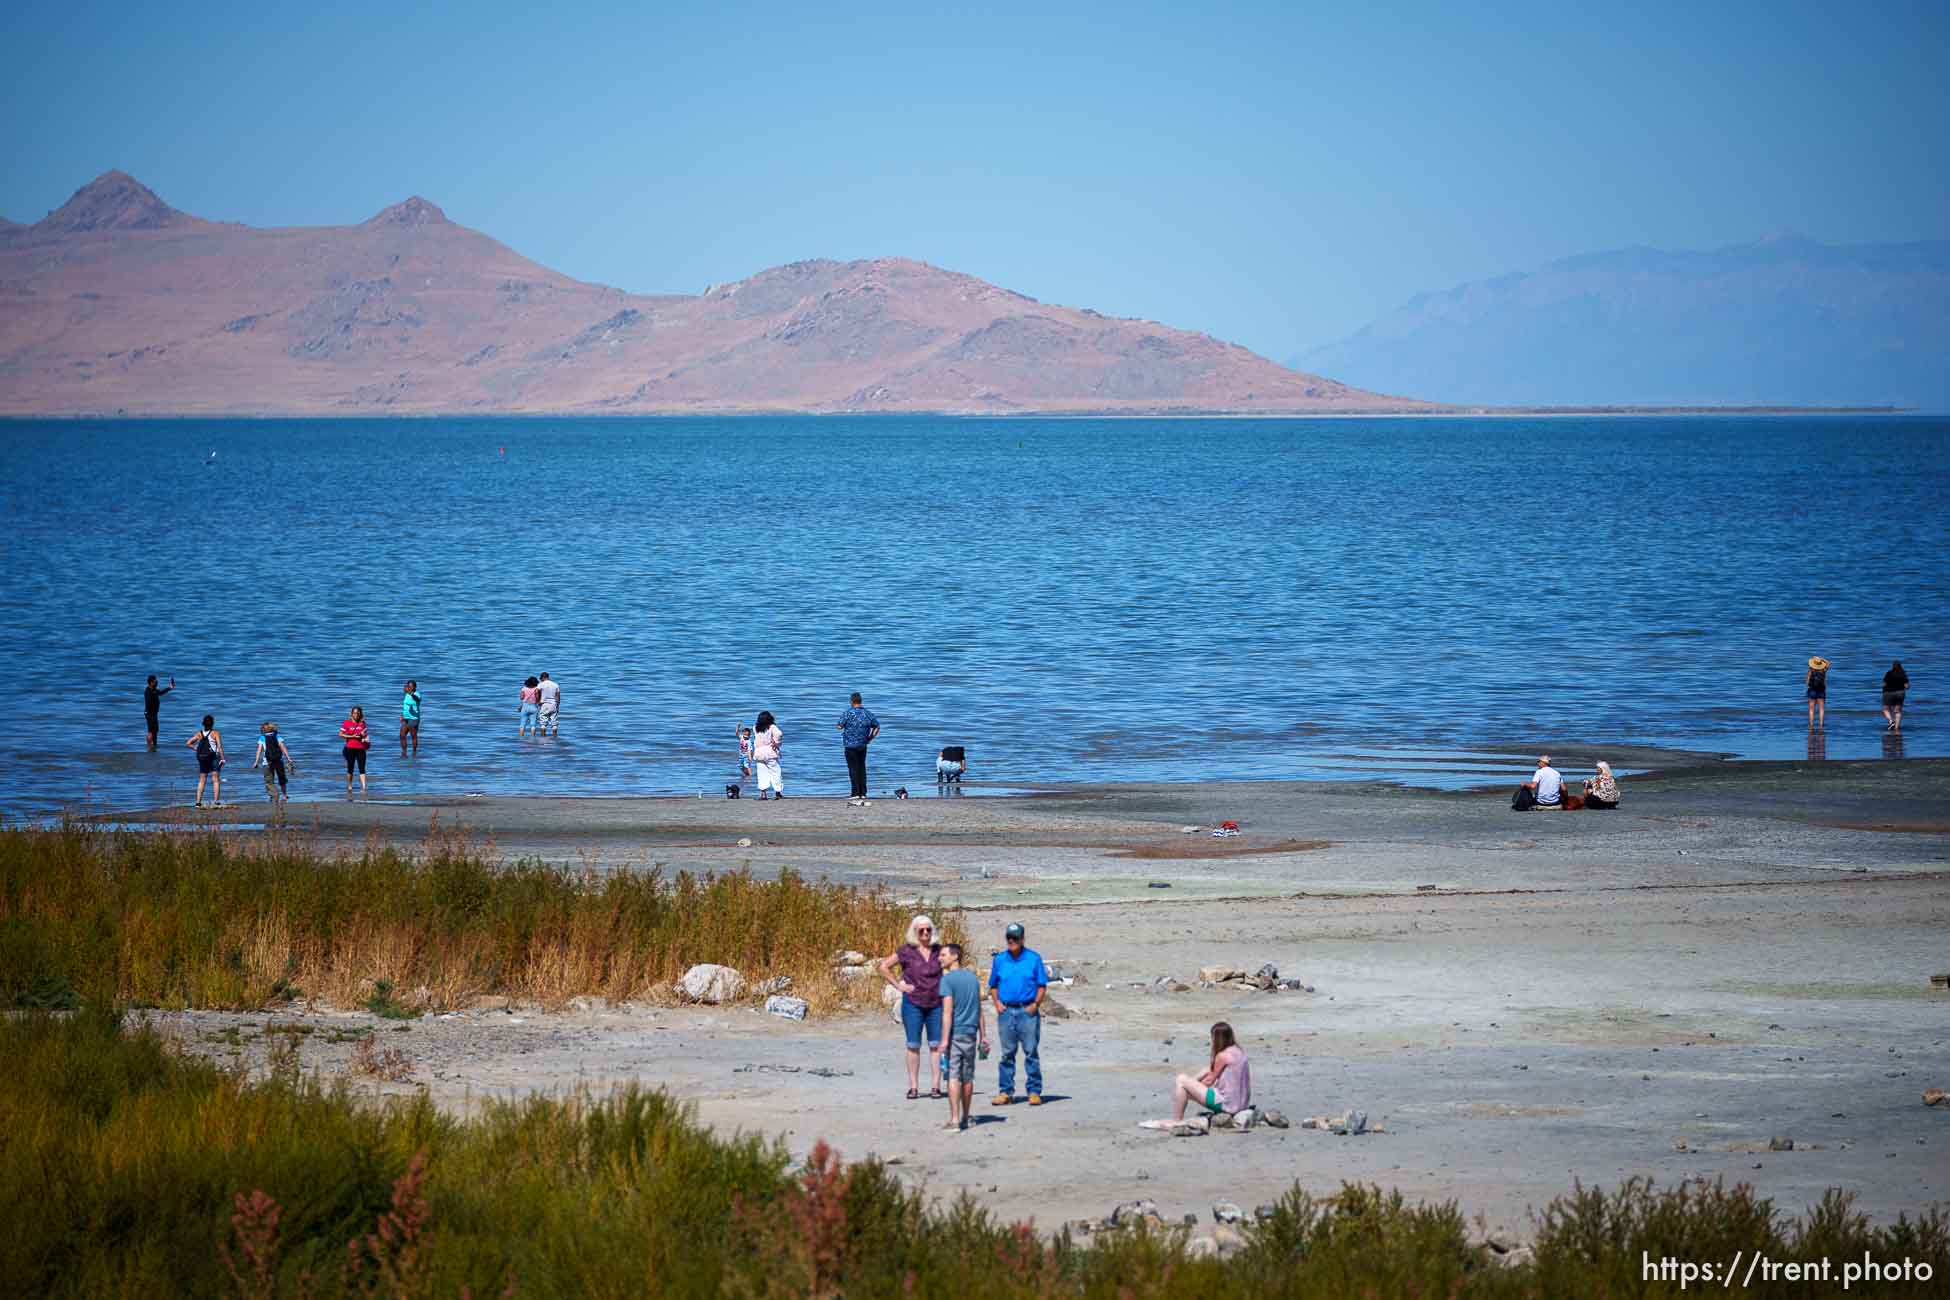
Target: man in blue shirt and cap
x=1017 y=979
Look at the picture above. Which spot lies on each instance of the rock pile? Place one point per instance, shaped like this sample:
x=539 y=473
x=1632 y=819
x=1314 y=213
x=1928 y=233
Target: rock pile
x=711 y=984
x=1266 y=979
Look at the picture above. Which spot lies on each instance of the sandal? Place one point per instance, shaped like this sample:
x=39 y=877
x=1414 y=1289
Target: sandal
x=912 y=1095
x=937 y=1094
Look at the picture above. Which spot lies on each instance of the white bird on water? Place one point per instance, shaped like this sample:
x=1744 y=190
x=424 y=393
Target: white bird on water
x=211 y=459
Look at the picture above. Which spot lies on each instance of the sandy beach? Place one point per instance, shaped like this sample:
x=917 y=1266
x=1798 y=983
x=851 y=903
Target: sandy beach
x=1742 y=953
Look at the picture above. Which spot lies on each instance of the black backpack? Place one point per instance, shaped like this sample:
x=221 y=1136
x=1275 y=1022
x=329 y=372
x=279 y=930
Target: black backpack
x=1524 y=800
x=204 y=749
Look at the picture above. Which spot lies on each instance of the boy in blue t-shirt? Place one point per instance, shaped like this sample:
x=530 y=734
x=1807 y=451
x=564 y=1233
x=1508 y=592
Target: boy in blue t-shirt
x=961 y=1011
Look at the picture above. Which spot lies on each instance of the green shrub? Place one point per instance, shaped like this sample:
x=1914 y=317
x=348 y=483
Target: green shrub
x=129 y=1169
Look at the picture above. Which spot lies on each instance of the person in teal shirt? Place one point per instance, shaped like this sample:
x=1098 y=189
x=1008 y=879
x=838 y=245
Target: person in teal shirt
x=409 y=719
x=961 y=1008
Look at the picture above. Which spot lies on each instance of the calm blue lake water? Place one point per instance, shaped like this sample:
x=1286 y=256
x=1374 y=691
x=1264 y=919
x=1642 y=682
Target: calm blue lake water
x=1071 y=599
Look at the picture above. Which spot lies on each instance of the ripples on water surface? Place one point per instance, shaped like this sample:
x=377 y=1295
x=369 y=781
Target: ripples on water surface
x=1071 y=599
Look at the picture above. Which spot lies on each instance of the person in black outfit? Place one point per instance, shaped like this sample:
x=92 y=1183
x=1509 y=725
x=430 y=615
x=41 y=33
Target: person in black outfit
x=152 y=706
x=1895 y=684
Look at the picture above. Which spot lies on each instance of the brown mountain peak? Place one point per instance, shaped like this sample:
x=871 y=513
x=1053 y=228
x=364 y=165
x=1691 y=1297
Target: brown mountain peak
x=114 y=200
x=413 y=212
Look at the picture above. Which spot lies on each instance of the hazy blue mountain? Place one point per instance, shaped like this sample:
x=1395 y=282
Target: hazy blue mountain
x=1783 y=321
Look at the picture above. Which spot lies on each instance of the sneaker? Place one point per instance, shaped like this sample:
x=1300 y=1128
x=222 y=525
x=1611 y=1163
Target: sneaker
x=1002 y=1099
x=1035 y=1098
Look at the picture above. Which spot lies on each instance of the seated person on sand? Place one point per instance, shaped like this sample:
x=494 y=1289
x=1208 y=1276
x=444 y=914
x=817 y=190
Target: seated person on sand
x=1227 y=1084
x=1602 y=791
x=1547 y=784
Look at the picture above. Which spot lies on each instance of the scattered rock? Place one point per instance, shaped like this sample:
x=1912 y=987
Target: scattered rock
x=1219 y=974
x=1267 y=972
x=1941 y=981
x=744 y=843
x=777 y=984
x=1132 y=1213
x=587 y=1004
x=1201 y=1248
x=852 y=972
x=890 y=998
x=1273 y=1118
x=1935 y=1096
x=1228 y=1239
x=1221 y=1120
x=1159 y=884
x=848 y=957
x=1680 y=1145
x=1190 y=1220
x=787 y=1008
x=489 y=1002
x=1188 y=830
x=1245 y=1119
x=1350 y=1123
x=1226 y=1212
x=828 y=1072
x=1085 y=1226
x=1188 y=1129
x=711 y=984
x=1264 y=1212
x=1780 y=1144
x=1296 y=985
x=1054 y=1010
x=1423 y=889
x=1498 y=1240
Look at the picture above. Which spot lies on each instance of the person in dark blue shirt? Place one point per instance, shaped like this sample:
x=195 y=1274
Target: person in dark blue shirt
x=857 y=730
x=1017 y=979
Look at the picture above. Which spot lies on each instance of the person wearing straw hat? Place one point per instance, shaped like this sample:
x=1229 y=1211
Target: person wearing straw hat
x=1817 y=693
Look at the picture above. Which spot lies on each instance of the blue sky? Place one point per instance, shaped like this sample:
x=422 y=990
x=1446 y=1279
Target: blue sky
x=1276 y=174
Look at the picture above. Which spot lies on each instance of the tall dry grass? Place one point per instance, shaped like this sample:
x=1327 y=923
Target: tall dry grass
x=202 y=920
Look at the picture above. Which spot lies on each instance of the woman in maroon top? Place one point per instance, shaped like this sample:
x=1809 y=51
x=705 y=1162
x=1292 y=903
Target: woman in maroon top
x=919 y=981
x=352 y=732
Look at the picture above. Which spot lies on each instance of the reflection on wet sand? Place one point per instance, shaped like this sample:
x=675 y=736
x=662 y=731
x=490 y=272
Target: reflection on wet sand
x=1892 y=745
x=1817 y=746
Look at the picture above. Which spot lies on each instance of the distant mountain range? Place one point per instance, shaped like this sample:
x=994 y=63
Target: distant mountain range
x=1785 y=321
x=117 y=302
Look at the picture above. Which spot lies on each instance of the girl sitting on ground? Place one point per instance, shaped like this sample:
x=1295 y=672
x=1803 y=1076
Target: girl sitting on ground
x=1225 y=1087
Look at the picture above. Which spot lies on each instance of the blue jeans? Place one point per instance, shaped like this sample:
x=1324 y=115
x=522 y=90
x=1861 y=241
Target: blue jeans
x=1024 y=1028
x=916 y=1019
x=531 y=717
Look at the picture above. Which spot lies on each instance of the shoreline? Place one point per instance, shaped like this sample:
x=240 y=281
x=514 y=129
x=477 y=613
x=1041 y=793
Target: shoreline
x=1417 y=411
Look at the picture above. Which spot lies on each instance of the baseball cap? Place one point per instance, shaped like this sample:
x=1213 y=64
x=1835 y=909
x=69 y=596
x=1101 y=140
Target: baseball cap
x=1013 y=932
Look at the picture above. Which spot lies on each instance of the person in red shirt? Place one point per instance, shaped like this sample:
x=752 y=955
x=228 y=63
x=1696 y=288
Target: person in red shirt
x=352 y=732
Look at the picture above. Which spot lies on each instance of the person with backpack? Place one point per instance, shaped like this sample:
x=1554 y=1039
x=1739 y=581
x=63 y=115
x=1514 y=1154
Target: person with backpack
x=208 y=744
x=275 y=759
x=356 y=740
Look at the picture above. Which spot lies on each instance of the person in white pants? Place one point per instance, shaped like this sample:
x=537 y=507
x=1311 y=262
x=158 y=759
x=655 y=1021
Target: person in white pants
x=767 y=742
